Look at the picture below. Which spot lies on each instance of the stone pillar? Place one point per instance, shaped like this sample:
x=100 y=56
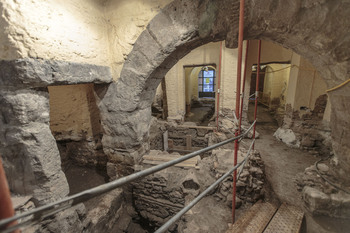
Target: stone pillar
x=30 y=155
x=340 y=126
x=31 y=159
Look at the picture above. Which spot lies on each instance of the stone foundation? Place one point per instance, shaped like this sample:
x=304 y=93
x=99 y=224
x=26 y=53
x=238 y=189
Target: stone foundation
x=160 y=196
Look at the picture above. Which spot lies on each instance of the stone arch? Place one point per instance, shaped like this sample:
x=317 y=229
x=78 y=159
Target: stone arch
x=315 y=29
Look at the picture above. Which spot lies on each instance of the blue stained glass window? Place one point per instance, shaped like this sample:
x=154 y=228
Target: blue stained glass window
x=206 y=83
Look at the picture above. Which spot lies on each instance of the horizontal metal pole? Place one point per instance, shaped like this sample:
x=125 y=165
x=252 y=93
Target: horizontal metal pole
x=93 y=192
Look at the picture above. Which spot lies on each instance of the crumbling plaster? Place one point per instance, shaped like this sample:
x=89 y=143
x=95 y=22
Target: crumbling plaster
x=73 y=31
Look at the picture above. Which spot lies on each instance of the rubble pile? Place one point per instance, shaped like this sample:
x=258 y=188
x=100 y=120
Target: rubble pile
x=251 y=181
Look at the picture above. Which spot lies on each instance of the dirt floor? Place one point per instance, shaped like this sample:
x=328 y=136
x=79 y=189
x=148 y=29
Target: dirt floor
x=83 y=178
x=282 y=163
x=201 y=113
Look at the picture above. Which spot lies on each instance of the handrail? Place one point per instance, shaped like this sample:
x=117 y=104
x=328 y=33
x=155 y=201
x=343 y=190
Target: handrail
x=75 y=199
x=205 y=192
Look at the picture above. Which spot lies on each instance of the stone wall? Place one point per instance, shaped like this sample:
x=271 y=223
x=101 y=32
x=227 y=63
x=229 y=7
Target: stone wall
x=161 y=195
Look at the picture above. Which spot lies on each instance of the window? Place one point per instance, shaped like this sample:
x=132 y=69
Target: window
x=206 y=83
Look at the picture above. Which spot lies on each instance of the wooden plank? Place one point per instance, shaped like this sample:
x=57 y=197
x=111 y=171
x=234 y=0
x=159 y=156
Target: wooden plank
x=196 y=127
x=165 y=140
x=188 y=142
x=165 y=100
x=155 y=159
x=288 y=219
x=183 y=148
x=254 y=219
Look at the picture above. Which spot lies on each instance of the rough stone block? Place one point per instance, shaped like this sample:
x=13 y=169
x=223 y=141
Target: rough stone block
x=287 y=136
x=30 y=72
x=316 y=201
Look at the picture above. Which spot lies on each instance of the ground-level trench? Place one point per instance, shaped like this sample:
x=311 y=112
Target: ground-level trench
x=145 y=205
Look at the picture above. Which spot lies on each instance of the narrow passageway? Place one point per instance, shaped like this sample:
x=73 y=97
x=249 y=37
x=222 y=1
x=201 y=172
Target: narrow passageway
x=282 y=163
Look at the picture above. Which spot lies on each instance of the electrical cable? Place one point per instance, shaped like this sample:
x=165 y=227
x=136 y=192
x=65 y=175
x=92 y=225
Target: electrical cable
x=326 y=179
x=339 y=86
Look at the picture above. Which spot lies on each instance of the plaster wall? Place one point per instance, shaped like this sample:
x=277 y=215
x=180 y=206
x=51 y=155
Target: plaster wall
x=194 y=82
x=61 y=30
x=189 y=84
x=206 y=54
x=72 y=115
x=126 y=20
x=306 y=86
x=270 y=53
x=276 y=83
x=175 y=78
x=86 y=31
x=229 y=77
x=293 y=80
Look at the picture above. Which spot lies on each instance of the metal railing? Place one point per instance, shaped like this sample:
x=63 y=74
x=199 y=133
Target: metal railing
x=205 y=192
x=47 y=210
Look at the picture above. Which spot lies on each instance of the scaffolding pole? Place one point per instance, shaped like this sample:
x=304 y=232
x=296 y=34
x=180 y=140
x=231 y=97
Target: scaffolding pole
x=238 y=95
x=243 y=85
x=257 y=88
x=218 y=90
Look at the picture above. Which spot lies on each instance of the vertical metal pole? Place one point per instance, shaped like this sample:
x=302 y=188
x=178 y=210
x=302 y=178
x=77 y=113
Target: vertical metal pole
x=257 y=89
x=243 y=85
x=218 y=90
x=238 y=95
x=6 y=209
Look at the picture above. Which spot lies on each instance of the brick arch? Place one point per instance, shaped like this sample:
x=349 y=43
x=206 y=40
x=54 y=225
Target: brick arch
x=315 y=29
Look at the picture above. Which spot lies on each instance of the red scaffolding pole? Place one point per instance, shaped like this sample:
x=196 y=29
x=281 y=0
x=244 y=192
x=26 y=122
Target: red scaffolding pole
x=6 y=209
x=257 y=88
x=238 y=95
